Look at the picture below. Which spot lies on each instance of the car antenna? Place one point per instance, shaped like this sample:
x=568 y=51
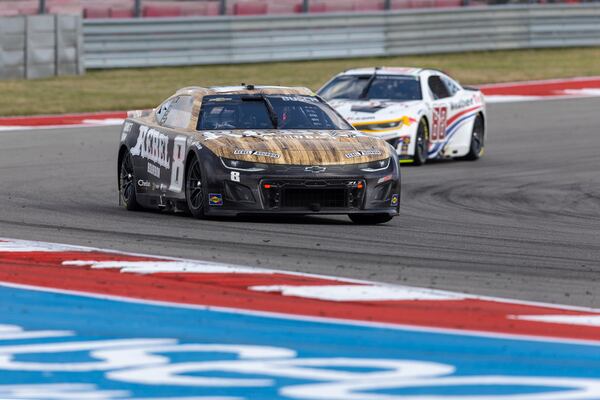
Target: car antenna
x=365 y=90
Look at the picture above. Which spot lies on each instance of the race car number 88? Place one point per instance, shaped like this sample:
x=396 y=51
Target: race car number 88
x=439 y=123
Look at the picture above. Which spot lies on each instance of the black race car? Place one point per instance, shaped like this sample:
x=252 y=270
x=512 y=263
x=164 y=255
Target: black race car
x=251 y=150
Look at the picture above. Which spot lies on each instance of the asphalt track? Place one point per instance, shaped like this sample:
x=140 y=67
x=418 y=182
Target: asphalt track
x=523 y=222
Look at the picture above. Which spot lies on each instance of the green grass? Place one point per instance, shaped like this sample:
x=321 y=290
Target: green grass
x=126 y=89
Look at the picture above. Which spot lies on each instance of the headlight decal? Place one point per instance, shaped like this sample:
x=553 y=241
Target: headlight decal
x=240 y=165
x=375 y=166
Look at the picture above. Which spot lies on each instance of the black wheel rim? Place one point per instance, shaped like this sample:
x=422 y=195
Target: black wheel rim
x=194 y=186
x=127 y=178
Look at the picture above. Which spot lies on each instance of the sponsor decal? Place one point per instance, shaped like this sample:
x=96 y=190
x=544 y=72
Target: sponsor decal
x=126 y=130
x=284 y=135
x=215 y=199
x=461 y=104
x=372 y=107
x=385 y=178
x=395 y=199
x=154 y=170
x=307 y=99
x=256 y=153
x=153 y=146
x=142 y=183
x=354 y=119
x=194 y=143
x=363 y=153
x=127 y=127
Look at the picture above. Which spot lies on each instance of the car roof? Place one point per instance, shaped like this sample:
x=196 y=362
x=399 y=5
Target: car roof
x=200 y=92
x=404 y=71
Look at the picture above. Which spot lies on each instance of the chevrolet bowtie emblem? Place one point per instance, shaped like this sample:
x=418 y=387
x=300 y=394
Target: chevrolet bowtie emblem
x=315 y=169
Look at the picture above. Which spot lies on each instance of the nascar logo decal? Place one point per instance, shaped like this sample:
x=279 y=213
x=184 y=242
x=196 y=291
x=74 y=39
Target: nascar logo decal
x=81 y=323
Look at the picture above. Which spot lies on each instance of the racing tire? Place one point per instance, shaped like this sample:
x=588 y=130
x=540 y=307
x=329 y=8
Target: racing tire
x=477 y=140
x=421 y=144
x=127 y=184
x=194 y=188
x=370 y=219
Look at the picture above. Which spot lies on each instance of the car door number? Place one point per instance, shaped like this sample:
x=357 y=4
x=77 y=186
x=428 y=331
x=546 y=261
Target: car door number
x=439 y=123
x=178 y=164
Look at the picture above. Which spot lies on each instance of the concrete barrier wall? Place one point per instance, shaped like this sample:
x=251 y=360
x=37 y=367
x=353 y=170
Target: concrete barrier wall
x=39 y=46
x=149 y=42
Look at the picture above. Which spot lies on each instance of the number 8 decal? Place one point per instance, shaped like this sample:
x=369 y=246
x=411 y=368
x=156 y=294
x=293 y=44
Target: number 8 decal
x=439 y=123
x=177 y=166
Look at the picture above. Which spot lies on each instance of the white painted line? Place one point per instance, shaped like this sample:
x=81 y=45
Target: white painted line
x=25 y=246
x=589 y=92
x=496 y=98
x=345 y=293
x=14 y=128
x=107 y=121
x=153 y=267
x=583 y=320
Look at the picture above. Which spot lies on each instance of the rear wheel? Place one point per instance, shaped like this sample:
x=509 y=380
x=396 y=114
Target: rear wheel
x=421 y=144
x=127 y=184
x=370 y=219
x=476 y=146
x=194 y=188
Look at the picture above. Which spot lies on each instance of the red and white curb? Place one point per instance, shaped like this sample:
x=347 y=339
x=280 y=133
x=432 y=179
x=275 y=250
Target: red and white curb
x=542 y=90
x=189 y=283
x=494 y=93
x=62 y=121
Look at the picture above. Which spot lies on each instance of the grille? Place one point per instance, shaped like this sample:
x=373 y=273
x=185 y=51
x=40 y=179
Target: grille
x=314 y=197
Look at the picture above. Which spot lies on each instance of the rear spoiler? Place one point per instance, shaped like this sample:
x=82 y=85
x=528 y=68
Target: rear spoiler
x=139 y=113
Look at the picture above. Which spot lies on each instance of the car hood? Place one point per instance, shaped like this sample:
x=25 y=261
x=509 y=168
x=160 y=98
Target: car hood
x=364 y=111
x=295 y=147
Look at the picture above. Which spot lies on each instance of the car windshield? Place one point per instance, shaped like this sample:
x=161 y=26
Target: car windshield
x=366 y=87
x=268 y=112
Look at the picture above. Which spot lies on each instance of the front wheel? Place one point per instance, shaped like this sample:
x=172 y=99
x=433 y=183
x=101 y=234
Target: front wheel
x=370 y=219
x=421 y=144
x=194 y=188
x=127 y=184
x=476 y=146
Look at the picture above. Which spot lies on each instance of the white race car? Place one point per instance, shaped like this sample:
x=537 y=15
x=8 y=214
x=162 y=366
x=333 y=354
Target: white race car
x=423 y=113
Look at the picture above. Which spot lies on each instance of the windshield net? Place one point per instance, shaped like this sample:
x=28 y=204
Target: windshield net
x=268 y=112
x=366 y=87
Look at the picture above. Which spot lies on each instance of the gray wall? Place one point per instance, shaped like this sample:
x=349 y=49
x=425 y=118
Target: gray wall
x=191 y=41
x=41 y=45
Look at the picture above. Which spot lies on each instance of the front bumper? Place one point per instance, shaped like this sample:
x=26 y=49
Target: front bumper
x=289 y=189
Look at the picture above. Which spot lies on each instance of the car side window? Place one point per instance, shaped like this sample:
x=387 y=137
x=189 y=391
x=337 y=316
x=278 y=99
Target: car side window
x=178 y=113
x=451 y=85
x=437 y=87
